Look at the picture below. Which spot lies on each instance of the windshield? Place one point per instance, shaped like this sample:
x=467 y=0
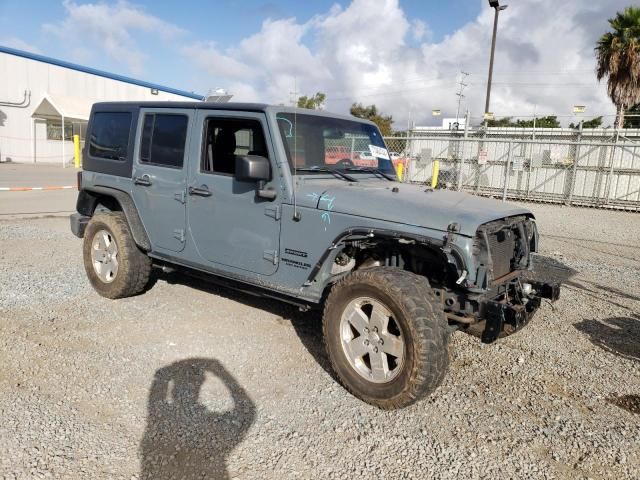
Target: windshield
x=317 y=143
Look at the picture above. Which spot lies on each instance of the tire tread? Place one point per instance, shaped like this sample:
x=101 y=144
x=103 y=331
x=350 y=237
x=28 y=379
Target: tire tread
x=134 y=264
x=430 y=332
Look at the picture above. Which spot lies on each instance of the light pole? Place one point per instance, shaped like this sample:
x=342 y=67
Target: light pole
x=495 y=4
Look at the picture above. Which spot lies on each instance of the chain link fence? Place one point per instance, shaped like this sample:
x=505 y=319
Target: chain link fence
x=595 y=171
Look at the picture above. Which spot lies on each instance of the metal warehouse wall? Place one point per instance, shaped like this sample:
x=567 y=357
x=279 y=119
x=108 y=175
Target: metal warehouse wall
x=18 y=74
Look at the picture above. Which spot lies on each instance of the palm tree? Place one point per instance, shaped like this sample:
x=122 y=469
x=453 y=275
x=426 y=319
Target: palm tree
x=618 y=56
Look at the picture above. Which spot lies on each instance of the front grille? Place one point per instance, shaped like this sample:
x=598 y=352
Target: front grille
x=502 y=246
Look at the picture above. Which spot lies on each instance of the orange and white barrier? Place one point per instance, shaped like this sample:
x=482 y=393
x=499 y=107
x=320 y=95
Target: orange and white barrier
x=27 y=189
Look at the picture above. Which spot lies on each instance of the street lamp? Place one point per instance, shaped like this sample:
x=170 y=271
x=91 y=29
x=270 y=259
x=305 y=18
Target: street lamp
x=495 y=4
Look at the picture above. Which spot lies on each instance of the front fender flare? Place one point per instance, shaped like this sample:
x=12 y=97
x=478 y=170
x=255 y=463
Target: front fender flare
x=367 y=232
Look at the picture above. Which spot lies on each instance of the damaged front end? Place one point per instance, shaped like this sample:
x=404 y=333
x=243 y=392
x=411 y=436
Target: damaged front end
x=512 y=310
x=502 y=300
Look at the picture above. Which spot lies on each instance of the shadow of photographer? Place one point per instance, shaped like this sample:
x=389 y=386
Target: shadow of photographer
x=617 y=335
x=183 y=438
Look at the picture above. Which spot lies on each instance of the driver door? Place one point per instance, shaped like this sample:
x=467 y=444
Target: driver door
x=231 y=227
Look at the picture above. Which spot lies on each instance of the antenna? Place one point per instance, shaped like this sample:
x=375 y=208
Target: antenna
x=460 y=96
x=294 y=103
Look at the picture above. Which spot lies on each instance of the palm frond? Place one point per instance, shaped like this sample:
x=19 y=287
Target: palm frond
x=618 y=57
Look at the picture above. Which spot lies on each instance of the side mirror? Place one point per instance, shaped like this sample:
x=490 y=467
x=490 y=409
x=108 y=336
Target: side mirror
x=254 y=168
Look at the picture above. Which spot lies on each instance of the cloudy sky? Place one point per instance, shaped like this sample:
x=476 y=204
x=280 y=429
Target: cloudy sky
x=403 y=56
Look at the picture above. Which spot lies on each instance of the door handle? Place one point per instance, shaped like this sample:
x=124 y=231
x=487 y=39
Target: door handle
x=202 y=191
x=144 y=180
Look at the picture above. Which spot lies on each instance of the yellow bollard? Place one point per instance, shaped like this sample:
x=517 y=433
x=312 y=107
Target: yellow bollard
x=76 y=151
x=399 y=170
x=434 y=173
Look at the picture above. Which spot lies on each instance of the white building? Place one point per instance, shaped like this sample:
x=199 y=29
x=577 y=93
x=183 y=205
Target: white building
x=447 y=124
x=41 y=97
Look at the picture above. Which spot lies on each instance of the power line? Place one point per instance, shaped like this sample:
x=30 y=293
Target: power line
x=356 y=96
x=460 y=95
x=548 y=84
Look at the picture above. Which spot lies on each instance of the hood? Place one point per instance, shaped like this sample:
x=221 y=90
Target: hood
x=415 y=205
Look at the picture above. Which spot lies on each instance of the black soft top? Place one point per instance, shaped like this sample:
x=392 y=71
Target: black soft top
x=250 y=107
x=123 y=167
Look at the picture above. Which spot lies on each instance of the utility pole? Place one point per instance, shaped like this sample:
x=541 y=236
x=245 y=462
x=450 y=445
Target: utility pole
x=462 y=86
x=495 y=4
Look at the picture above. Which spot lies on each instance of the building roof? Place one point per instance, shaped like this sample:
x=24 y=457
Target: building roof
x=99 y=73
x=54 y=106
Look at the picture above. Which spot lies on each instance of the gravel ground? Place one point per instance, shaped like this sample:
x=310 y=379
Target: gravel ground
x=84 y=380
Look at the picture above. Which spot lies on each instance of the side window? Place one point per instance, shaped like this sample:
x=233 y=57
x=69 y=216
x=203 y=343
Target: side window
x=163 y=139
x=227 y=137
x=110 y=135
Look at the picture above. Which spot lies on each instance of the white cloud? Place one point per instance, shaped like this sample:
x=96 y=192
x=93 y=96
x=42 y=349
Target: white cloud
x=110 y=28
x=208 y=57
x=544 y=60
x=19 y=44
x=420 y=30
x=263 y=66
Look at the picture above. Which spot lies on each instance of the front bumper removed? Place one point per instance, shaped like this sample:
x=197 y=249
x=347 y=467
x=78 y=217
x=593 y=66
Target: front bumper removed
x=502 y=318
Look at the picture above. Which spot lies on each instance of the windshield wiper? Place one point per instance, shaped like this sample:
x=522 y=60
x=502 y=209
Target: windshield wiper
x=372 y=170
x=335 y=172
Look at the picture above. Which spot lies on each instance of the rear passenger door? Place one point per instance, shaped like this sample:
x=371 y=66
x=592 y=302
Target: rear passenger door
x=159 y=175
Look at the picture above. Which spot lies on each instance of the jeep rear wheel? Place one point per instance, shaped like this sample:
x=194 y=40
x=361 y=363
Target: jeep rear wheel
x=116 y=267
x=386 y=336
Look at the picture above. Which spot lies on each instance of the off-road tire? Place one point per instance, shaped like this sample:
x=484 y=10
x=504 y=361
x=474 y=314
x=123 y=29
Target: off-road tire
x=419 y=313
x=134 y=266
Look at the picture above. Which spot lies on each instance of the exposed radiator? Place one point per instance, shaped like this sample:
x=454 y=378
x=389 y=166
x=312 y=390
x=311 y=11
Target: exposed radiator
x=502 y=246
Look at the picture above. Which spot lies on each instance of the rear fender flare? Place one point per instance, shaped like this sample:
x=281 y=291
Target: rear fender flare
x=88 y=200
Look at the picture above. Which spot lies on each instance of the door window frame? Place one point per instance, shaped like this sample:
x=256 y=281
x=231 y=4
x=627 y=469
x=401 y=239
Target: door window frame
x=226 y=116
x=185 y=112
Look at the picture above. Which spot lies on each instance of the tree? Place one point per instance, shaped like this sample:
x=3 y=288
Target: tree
x=315 y=102
x=550 y=121
x=370 y=112
x=501 y=122
x=593 y=123
x=633 y=122
x=618 y=57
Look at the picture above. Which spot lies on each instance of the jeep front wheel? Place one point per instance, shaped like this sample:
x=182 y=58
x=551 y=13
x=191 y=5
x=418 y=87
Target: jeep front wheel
x=386 y=336
x=116 y=267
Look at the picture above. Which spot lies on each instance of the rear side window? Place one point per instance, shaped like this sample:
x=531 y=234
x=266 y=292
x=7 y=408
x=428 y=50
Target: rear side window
x=110 y=135
x=163 y=139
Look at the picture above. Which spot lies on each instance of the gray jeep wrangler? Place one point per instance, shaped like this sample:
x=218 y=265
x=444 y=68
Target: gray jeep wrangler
x=257 y=196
